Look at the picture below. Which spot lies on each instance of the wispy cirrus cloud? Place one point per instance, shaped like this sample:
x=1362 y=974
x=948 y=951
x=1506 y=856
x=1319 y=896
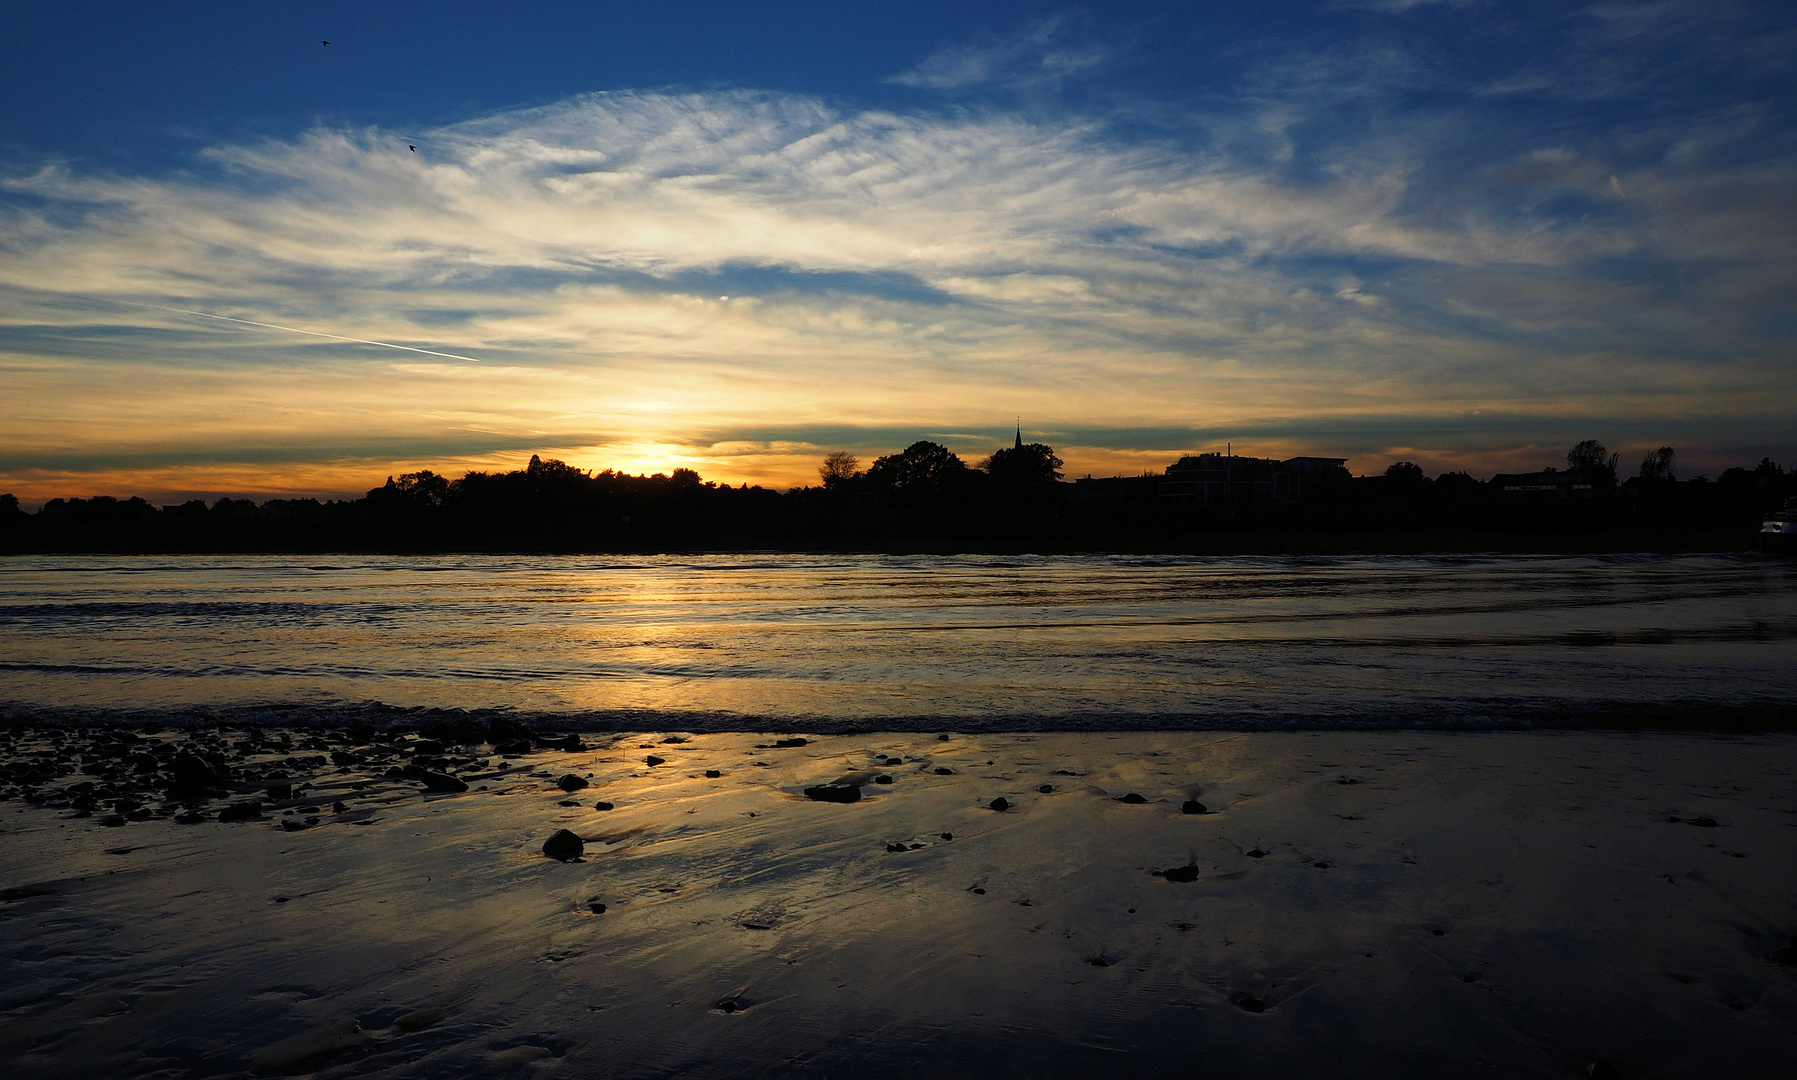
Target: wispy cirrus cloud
x=1042 y=53
x=716 y=279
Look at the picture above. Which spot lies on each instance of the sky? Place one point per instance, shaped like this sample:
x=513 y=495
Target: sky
x=237 y=261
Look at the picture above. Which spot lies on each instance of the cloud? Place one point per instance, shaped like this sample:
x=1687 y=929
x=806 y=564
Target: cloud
x=1043 y=53
x=696 y=277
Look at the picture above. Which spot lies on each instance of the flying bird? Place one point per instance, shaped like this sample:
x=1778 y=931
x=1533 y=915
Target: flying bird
x=412 y=148
x=327 y=43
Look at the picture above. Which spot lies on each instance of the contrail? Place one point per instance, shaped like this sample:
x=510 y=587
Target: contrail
x=297 y=330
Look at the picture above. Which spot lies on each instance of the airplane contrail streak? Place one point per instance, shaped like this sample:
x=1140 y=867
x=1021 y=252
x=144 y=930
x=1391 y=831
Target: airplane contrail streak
x=309 y=333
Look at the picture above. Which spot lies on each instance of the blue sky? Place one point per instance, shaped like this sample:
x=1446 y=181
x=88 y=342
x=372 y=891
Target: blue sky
x=1463 y=233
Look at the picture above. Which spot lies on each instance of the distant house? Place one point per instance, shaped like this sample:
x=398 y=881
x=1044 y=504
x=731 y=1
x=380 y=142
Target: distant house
x=1204 y=478
x=1550 y=483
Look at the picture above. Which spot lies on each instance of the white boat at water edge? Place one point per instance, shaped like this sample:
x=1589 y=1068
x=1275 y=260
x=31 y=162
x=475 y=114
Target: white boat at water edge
x=1779 y=532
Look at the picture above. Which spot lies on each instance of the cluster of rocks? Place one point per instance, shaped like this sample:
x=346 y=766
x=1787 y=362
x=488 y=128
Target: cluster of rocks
x=198 y=773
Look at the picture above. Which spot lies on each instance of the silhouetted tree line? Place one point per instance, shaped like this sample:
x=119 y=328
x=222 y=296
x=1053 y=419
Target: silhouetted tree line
x=925 y=497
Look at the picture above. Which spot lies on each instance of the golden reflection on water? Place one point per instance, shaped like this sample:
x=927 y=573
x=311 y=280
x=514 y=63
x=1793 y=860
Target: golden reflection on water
x=870 y=637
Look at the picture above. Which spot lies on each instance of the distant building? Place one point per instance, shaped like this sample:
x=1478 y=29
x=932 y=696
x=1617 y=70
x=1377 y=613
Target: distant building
x=1548 y=482
x=1204 y=478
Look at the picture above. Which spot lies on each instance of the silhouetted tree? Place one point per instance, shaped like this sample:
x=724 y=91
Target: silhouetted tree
x=839 y=468
x=922 y=469
x=1031 y=463
x=1592 y=461
x=1405 y=474
x=1657 y=466
x=416 y=490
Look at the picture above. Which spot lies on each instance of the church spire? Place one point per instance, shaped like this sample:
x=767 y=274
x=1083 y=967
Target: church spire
x=1019 y=445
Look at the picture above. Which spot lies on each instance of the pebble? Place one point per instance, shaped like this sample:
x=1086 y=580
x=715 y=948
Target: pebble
x=278 y=792
x=1001 y=804
x=783 y=743
x=1046 y=789
x=945 y=772
x=602 y=806
x=1603 y=1070
x=1132 y=799
x=436 y=781
x=835 y=793
x=1188 y=872
x=595 y=907
x=193 y=774
x=653 y=761
x=570 y=782
x=712 y=774
x=1251 y=1004
x=1193 y=806
x=241 y=811
x=113 y=821
x=564 y=845
x=882 y=779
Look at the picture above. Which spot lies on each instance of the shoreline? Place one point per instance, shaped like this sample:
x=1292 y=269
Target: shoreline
x=1396 y=543
x=1411 y=903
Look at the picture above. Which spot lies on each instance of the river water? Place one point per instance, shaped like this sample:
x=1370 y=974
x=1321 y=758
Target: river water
x=912 y=642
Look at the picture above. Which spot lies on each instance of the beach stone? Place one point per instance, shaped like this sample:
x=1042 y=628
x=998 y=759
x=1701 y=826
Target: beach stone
x=436 y=781
x=942 y=738
x=895 y=847
x=339 y=807
x=728 y=1005
x=569 y=802
x=570 y=782
x=564 y=845
x=113 y=821
x=569 y=742
x=784 y=743
x=944 y=772
x=1001 y=804
x=427 y=746
x=602 y=805
x=1046 y=789
x=883 y=779
x=1188 y=872
x=192 y=774
x=1255 y=853
x=278 y=792
x=1251 y=1004
x=241 y=811
x=512 y=747
x=833 y=793
x=295 y=825
x=1193 y=806
x=595 y=907
x=948 y=836
x=653 y=761
x=1603 y=1070
x=712 y=774
x=192 y=817
x=1702 y=822
x=1132 y=799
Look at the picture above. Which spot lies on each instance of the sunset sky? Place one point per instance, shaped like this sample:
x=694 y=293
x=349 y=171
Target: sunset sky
x=735 y=237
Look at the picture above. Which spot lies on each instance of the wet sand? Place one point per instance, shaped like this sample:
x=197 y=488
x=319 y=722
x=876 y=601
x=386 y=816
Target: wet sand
x=1382 y=903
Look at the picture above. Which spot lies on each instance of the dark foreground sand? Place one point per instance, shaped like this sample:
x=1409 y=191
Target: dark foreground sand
x=1389 y=904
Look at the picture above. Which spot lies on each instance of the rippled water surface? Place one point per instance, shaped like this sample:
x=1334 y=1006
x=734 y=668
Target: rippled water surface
x=861 y=641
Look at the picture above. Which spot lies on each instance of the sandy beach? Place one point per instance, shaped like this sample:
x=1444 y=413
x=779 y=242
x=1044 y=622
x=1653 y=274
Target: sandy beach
x=1379 y=903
